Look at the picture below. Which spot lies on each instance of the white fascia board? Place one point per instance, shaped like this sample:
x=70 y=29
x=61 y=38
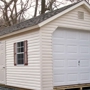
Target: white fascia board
x=20 y=31
x=64 y=12
x=86 y=5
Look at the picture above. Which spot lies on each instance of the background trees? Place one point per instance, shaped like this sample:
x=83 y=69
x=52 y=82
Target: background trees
x=15 y=11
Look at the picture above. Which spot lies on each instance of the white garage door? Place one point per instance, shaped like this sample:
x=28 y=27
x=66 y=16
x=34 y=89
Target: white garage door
x=71 y=57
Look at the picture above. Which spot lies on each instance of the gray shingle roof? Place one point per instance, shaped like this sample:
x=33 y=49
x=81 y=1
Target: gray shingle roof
x=33 y=21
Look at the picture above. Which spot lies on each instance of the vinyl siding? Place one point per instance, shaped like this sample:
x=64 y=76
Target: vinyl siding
x=68 y=20
x=20 y=75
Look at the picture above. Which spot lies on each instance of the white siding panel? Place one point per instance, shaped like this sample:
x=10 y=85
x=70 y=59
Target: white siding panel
x=20 y=75
x=70 y=19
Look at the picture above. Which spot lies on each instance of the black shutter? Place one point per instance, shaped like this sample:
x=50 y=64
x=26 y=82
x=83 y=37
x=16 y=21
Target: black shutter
x=25 y=53
x=15 y=56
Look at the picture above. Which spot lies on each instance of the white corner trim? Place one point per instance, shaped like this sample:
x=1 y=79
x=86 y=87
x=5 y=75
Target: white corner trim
x=64 y=12
x=20 y=31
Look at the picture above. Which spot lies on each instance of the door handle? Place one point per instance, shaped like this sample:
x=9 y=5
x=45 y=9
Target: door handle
x=79 y=63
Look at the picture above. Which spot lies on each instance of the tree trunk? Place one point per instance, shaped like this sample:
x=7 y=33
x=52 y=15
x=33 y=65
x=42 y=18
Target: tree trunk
x=51 y=4
x=42 y=6
x=36 y=7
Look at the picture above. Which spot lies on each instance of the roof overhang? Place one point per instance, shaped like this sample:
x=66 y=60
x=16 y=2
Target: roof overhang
x=20 y=31
x=82 y=3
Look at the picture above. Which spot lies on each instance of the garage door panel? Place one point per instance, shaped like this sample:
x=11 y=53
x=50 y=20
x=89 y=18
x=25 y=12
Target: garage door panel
x=59 y=63
x=59 y=48
x=84 y=70
x=71 y=34
x=71 y=42
x=84 y=63
x=84 y=49
x=72 y=70
x=61 y=71
x=72 y=77
x=71 y=48
x=58 y=56
x=72 y=63
x=84 y=35
x=71 y=57
x=59 y=41
x=83 y=43
x=60 y=78
x=84 y=56
x=84 y=76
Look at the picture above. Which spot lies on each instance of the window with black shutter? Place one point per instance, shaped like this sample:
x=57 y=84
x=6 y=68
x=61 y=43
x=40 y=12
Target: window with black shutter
x=20 y=53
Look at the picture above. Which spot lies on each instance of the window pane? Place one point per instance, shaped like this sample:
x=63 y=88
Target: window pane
x=18 y=44
x=22 y=49
x=20 y=62
x=20 y=58
x=22 y=43
x=18 y=49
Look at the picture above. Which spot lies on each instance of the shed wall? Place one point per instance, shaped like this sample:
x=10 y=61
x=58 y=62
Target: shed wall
x=24 y=76
x=69 y=20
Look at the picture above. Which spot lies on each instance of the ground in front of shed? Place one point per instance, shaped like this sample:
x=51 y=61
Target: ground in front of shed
x=73 y=87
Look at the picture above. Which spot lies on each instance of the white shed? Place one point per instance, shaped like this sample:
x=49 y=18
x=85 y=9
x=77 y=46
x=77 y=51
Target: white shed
x=49 y=50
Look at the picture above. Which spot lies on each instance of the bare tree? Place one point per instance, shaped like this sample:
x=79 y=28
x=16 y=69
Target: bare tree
x=54 y=4
x=36 y=8
x=49 y=6
x=11 y=13
x=43 y=2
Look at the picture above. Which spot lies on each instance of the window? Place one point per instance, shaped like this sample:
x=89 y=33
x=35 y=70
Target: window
x=20 y=53
x=80 y=15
